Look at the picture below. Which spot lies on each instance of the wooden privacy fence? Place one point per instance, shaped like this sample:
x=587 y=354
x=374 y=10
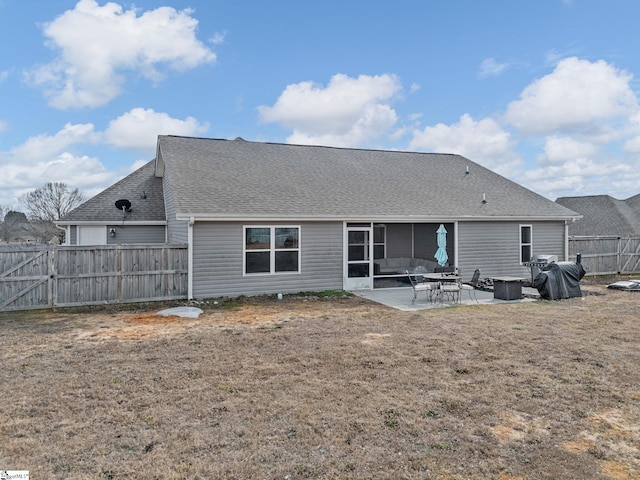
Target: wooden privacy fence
x=33 y=277
x=606 y=255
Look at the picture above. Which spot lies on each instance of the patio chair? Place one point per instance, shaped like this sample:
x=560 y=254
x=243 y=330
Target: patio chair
x=472 y=285
x=450 y=289
x=419 y=286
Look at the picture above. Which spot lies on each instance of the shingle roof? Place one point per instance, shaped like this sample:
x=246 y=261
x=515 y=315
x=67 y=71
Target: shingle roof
x=211 y=178
x=101 y=208
x=604 y=215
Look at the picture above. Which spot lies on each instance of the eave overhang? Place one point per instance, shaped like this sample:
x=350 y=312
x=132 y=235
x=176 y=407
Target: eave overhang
x=373 y=218
x=112 y=222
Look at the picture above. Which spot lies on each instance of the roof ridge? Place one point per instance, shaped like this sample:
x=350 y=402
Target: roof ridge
x=358 y=149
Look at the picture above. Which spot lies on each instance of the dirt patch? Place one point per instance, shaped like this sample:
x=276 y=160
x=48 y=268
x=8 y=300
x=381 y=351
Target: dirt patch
x=258 y=313
x=326 y=388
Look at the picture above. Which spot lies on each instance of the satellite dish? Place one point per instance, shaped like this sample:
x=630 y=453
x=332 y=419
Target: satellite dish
x=123 y=204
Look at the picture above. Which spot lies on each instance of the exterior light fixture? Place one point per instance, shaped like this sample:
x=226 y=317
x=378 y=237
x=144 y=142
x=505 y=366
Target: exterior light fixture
x=112 y=232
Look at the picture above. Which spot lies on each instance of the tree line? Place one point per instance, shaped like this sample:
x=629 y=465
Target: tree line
x=44 y=205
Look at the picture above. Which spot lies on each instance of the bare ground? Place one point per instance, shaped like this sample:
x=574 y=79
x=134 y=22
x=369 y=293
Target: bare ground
x=326 y=388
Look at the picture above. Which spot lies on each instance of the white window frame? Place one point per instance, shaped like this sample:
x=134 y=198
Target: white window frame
x=272 y=250
x=523 y=244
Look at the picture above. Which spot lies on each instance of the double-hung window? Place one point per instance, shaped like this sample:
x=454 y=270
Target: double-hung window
x=526 y=243
x=271 y=249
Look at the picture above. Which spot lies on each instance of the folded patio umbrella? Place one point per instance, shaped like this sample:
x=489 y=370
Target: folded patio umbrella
x=441 y=253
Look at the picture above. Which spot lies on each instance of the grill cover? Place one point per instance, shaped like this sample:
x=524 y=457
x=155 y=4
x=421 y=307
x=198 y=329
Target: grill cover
x=560 y=280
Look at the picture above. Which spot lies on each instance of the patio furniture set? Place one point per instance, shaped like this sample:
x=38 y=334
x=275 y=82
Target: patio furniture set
x=442 y=286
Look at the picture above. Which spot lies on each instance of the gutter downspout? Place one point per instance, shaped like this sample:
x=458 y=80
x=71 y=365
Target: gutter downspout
x=67 y=233
x=192 y=221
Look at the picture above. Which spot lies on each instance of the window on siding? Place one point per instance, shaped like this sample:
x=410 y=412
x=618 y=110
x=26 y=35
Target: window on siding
x=269 y=250
x=526 y=243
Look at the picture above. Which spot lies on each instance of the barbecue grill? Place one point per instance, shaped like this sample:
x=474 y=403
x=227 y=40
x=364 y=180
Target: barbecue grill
x=560 y=280
x=541 y=262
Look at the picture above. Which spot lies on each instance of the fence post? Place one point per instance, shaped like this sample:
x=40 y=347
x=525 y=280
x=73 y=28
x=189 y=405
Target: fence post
x=119 y=272
x=53 y=274
x=619 y=256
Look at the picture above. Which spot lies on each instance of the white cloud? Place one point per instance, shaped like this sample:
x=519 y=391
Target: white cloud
x=578 y=95
x=49 y=158
x=632 y=144
x=490 y=68
x=218 y=37
x=98 y=44
x=589 y=119
x=558 y=150
x=347 y=112
x=580 y=176
x=578 y=168
x=20 y=174
x=374 y=122
x=60 y=157
x=139 y=129
x=42 y=148
x=483 y=141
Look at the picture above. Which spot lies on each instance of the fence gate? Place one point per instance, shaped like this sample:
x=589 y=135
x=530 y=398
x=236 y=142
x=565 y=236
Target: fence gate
x=607 y=255
x=25 y=279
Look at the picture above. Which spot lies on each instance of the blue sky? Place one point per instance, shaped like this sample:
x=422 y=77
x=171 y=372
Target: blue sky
x=543 y=92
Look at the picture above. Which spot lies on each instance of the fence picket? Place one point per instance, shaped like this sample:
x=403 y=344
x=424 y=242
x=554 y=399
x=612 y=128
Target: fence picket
x=90 y=275
x=603 y=255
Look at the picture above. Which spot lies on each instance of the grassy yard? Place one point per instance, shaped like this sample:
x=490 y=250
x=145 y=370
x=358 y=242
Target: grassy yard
x=326 y=388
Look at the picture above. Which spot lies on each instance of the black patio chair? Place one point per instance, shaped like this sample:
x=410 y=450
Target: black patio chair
x=472 y=285
x=419 y=286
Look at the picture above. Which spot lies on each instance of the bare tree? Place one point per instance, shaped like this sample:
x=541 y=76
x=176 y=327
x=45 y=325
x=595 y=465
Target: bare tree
x=47 y=204
x=51 y=202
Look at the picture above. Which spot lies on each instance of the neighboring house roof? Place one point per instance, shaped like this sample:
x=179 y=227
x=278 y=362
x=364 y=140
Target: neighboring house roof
x=604 y=215
x=213 y=179
x=101 y=208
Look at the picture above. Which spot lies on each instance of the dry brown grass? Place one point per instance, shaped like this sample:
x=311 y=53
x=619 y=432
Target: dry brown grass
x=335 y=388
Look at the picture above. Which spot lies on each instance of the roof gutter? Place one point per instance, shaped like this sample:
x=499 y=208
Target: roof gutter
x=111 y=222
x=372 y=218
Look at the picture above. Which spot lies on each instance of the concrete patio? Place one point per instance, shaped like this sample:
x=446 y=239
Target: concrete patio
x=400 y=298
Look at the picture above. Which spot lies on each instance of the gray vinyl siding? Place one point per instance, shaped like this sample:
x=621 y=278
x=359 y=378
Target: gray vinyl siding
x=218 y=262
x=177 y=230
x=131 y=234
x=494 y=247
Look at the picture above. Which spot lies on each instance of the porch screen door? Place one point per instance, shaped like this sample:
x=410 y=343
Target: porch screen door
x=359 y=266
